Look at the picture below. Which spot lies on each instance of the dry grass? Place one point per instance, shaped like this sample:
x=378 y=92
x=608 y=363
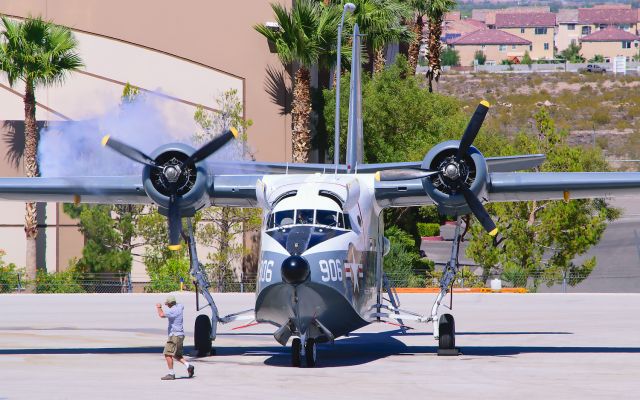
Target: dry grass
x=580 y=103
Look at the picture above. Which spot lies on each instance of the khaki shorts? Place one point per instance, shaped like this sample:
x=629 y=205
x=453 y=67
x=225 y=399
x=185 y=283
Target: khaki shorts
x=173 y=347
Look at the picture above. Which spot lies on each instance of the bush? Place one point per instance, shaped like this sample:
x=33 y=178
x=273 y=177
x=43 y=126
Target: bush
x=601 y=117
x=450 y=57
x=58 y=282
x=166 y=277
x=8 y=276
x=428 y=229
x=480 y=57
x=515 y=275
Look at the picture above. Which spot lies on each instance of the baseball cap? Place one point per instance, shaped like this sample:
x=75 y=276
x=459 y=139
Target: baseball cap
x=170 y=299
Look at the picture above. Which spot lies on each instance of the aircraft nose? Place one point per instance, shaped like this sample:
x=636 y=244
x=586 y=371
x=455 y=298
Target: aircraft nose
x=295 y=270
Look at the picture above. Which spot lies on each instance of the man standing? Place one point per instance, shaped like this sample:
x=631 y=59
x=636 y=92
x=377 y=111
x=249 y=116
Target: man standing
x=173 y=347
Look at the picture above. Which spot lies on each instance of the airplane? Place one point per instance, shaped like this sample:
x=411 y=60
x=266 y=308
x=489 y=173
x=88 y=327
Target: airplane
x=320 y=272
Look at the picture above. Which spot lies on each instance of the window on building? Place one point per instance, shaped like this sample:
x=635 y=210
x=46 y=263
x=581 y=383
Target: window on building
x=602 y=26
x=626 y=44
x=483 y=47
x=586 y=30
x=530 y=47
x=541 y=31
x=571 y=27
x=521 y=30
x=502 y=47
x=624 y=27
x=573 y=41
x=546 y=46
x=513 y=47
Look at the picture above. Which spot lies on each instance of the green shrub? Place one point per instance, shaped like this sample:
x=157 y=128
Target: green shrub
x=8 y=277
x=515 y=275
x=428 y=229
x=601 y=117
x=58 y=282
x=166 y=277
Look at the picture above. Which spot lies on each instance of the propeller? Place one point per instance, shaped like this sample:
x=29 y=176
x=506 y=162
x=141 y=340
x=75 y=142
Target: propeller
x=452 y=168
x=172 y=173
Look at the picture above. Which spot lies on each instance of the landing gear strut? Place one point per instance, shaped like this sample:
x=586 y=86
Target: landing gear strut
x=444 y=328
x=205 y=329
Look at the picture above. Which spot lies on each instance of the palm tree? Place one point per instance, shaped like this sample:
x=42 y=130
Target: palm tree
x=435 y=13
x=306 y=35
x=38 y=54
x=381 y=23
x=419 y=8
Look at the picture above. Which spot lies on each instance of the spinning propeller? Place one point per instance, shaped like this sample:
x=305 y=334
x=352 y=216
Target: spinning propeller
x=453 y=170
x=173 y=174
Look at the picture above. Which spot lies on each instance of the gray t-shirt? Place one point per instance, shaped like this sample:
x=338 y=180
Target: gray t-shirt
x=174 y=315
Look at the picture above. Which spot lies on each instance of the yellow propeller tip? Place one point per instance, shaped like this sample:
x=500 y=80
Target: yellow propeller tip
x=105 y=139
x=377 y=176
x=235 y=132
x=494 y=232
x=485 y=103
x=175 y=247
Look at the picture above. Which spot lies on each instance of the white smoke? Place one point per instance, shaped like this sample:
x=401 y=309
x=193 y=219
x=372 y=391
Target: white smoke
x=73 y=148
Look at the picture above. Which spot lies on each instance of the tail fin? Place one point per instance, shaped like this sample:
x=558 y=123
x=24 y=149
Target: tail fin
x=354 y=131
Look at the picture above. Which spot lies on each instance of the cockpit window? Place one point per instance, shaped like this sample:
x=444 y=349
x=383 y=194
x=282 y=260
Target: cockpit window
x=270 y=221
x=327 y=218
x=347 y=222
x=304 y=217
x=283 y=218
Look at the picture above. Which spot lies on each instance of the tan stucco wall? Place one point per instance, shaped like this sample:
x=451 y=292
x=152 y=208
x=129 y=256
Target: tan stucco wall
x=607 y=49
x=537 y=41
x=215 y=33
x=492 y=52
x=191 y=49
x=564 y=36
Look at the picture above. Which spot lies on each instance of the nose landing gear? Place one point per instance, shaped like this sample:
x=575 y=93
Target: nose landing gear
x=309 y=352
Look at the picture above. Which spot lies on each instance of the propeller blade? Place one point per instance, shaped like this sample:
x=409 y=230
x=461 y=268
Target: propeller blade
x=479 y=211
x=175 y=224
x=128 y=151
x=402 y=174
x=213 y=146
x=473 y=128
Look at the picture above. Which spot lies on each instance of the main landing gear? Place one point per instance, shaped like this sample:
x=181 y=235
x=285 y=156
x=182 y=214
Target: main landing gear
x=309 y=352
x=444 y=327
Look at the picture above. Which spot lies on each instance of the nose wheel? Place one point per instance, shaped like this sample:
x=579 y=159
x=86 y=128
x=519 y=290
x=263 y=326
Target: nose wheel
x=447 y=338
x=309 y=353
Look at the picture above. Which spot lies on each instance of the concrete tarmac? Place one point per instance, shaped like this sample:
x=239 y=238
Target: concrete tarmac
x=528 y=346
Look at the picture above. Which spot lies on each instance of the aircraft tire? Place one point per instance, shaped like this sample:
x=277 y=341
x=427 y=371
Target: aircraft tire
x=447 y=339
x=311 y=352
x=202 y=336
x=296 y=346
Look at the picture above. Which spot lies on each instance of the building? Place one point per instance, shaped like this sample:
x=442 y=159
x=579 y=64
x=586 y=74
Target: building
x=187 y=52
x=488 y=16
x=496 y=45
x=609 y=43
x=538 y=28
x=574 y=24
x=453 y=29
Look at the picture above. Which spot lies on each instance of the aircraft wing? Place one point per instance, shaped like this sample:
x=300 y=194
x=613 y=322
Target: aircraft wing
x=96 y=189
x=558 y=185
x=256 y=167
x=522 y=186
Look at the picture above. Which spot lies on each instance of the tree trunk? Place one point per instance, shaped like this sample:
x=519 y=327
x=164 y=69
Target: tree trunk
x=414 y=47
x=379 y=61
x=31 y=168
x=300 y=114
x=435 y=31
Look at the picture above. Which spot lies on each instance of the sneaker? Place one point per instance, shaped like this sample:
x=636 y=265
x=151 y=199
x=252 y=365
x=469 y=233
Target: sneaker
x=168 y=377
x=190 y=370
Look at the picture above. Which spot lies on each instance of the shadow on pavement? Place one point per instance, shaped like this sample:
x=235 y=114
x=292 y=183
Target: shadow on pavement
x=357 y=349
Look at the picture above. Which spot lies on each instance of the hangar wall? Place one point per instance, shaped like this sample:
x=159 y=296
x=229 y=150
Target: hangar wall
x=190 y=52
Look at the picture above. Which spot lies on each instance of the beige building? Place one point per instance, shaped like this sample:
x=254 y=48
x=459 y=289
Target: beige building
x=574 y=24
x=537 y=28
x=609 y=43
x=496 y=45
x=183 y=54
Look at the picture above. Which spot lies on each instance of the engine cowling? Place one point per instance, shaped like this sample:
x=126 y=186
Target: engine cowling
x=190 y=180
x=443 y=187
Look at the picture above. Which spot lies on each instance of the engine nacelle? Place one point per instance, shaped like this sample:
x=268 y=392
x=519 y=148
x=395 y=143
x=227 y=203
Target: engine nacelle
x=472 y=171
x=191 y=182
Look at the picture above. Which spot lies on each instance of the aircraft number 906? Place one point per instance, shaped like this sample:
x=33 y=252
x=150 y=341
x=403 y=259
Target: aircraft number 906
x=331 y=270
x=266 y=271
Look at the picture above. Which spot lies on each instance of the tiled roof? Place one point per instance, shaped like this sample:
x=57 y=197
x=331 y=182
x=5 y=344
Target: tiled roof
x=567 y=16
x=476 y=23
x=525 y=20
x=489 y=36
x=610 y=35
x=607 y=16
